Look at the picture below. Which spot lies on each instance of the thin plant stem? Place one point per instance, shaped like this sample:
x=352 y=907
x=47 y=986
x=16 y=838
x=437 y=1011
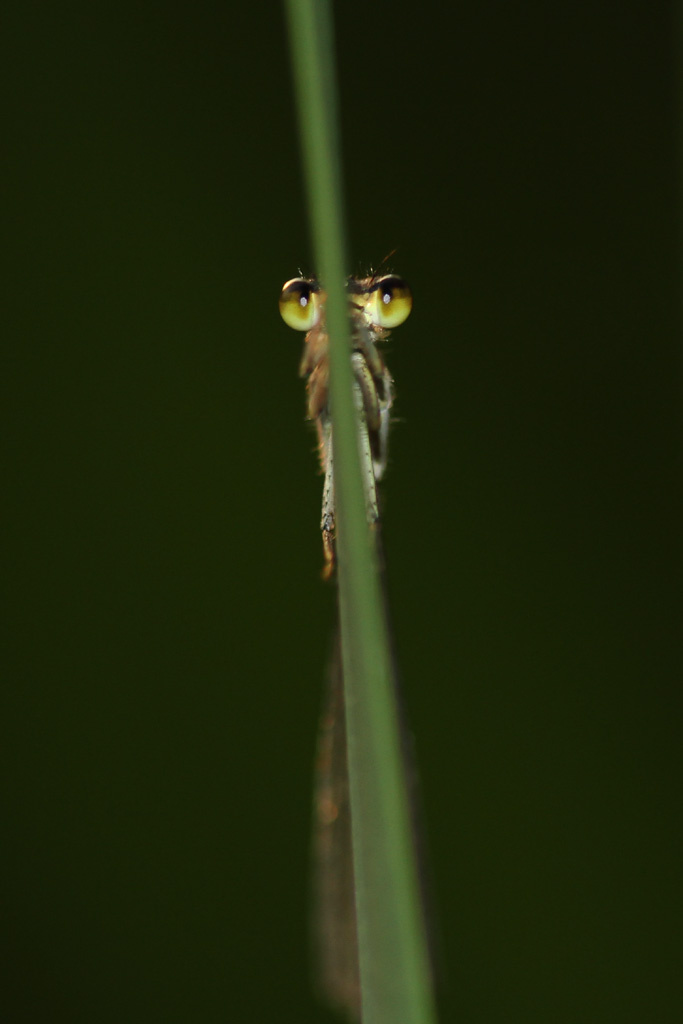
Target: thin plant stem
x=393 y=956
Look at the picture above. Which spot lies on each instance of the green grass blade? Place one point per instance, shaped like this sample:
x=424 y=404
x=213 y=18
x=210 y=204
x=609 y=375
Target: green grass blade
x=394 y=963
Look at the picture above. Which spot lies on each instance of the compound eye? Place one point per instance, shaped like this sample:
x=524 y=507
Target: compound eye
x=390 y=301
x=300 y=304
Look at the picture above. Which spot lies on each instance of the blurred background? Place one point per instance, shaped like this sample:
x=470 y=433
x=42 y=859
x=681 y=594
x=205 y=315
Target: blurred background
x=166 y=628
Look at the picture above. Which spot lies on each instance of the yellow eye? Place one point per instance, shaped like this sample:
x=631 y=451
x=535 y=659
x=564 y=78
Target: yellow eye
x=389 y=302
x=300 y=304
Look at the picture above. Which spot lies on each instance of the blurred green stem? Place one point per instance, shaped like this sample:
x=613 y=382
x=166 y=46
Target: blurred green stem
x=394 y=964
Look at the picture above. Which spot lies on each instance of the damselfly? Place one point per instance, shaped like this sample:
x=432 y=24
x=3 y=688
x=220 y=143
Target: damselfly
x=376 y=304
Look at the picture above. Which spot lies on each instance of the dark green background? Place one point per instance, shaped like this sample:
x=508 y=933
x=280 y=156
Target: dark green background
x=166 y=628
